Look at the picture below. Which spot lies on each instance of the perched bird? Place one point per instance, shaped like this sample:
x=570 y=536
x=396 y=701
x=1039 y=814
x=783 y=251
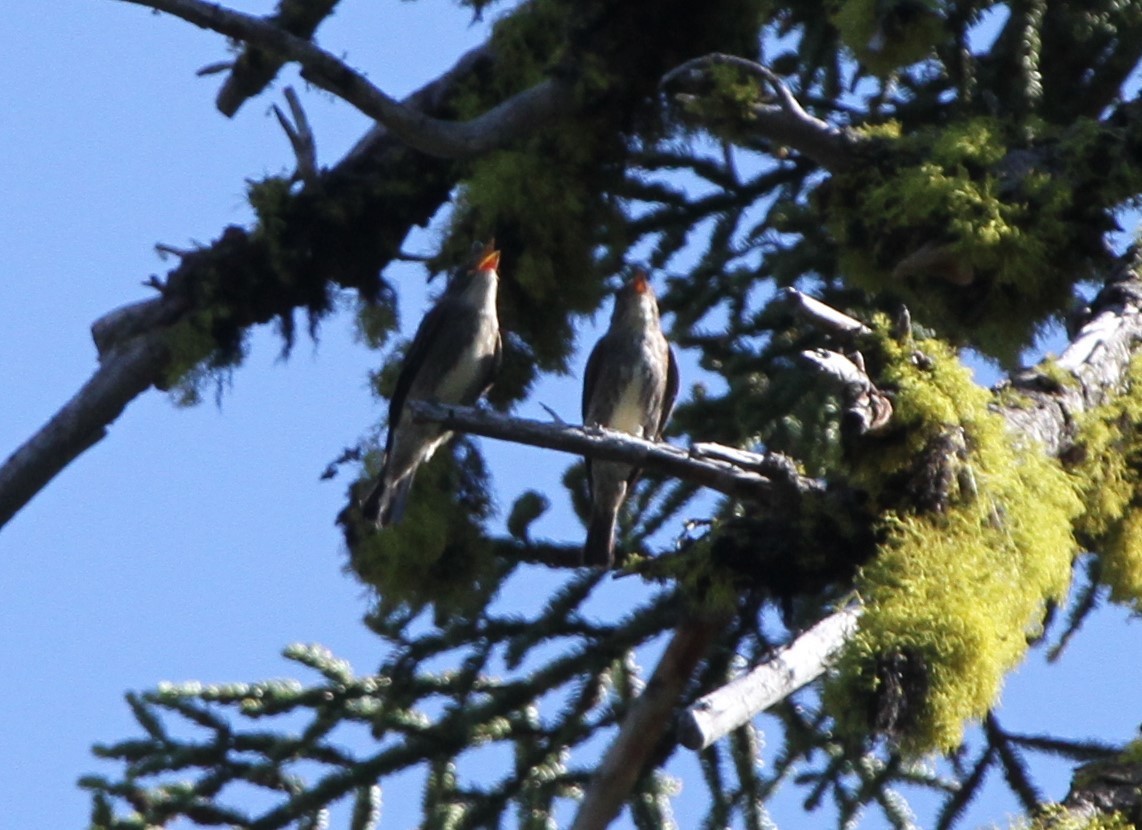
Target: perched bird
x=630 y=385
x=454 y=357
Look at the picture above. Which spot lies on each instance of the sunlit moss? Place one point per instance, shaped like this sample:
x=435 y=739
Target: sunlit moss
x=437 y=555
x=958 y=587
x=1058 y=817
x=965 y=224
x=1110 y=442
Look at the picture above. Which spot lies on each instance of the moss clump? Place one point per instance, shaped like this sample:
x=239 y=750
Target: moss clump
x=437 y=554
x=957 y=585
x=972 y=241
x=1109 y=455
x=886 y=36
x=1058 y=817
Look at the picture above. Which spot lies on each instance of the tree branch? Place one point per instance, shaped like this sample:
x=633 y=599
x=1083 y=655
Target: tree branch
x=762 y=477
x=1098 y=357
x=518 y=116
x=126 y=372
x=791 y=667
x=129 y=339
x=253 y=69
x=644 y=725
x=785 y=122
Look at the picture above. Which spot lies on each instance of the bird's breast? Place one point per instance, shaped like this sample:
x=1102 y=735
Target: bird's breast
x=470 y=364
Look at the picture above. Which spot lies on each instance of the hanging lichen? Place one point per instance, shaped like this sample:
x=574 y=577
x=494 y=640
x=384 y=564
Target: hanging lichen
x=963 y=573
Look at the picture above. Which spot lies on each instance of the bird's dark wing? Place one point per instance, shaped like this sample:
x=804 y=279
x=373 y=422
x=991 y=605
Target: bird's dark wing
x=671 y=392
x=591 y=376
x=497 y=363
x=422 y=341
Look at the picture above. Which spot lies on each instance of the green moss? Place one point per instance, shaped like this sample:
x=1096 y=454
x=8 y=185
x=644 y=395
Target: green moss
x=958 y=587
x=1058 y=817
x=437 y=554
x=988 y=254
x=1109 y=443
x=886 y=36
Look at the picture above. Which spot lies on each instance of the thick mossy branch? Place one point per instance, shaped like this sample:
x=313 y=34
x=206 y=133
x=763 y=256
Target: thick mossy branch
x=1106 y=461
x=976 y=540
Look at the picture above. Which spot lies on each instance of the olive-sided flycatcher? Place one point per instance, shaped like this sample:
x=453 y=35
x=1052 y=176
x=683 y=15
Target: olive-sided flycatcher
x=629 y=385
x=453 y=359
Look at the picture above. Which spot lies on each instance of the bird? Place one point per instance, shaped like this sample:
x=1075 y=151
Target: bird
x=630 y=384
x=453 y=359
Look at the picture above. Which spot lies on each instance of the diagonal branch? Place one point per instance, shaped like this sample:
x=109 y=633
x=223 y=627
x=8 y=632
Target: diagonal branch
x=129 y=339
x=126 y=372
x=1098 y=358
x=787 y=670
x=644 y=725
x=506 y=123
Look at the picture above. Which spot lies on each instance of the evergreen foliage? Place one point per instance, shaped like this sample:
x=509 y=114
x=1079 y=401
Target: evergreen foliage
x=976 y=197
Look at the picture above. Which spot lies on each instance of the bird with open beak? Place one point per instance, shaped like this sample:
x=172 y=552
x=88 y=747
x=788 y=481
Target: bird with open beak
x=454 y=357
x=630 y=385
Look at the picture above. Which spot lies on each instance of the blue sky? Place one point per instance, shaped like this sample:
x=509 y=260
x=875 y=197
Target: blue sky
x=196 y=543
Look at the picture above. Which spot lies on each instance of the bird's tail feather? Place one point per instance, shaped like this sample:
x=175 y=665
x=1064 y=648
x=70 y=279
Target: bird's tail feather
x=386 y=504
x=599 y=549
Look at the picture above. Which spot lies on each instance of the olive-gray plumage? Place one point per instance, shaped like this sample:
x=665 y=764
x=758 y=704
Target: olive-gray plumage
x=630 y=385
x=454 y=357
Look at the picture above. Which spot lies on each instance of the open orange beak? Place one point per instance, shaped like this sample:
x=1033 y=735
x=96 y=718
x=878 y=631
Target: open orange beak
x=490 y=259
x=639 y=281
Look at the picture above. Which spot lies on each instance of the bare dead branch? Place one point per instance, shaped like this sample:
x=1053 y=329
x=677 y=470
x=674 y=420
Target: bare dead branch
x=300 y=136
x=791 y=667
x=644 y=725
x=784 y=122
x=518 y=116
x=718 y=474
x=1098 y=357
x=867 y=409
x=822 y=316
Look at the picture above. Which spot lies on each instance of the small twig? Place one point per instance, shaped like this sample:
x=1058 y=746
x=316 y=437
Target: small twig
x=554 y=415
x=300 y=136
x=163 y=249
x=215 y=68
x=791 y=667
